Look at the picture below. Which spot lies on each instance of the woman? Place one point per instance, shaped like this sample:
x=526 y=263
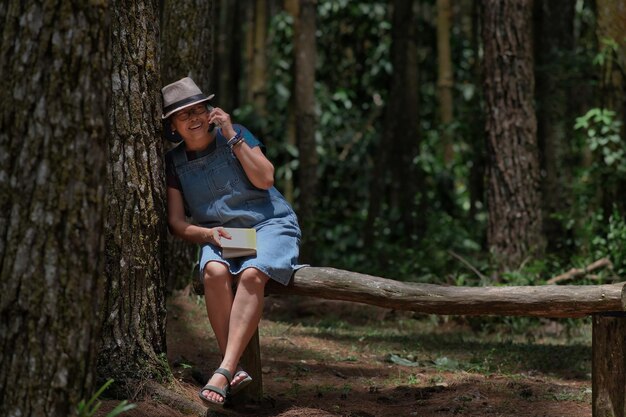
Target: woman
x=220 y=177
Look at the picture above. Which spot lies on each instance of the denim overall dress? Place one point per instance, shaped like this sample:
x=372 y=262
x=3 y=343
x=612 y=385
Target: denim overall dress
x=218 y=193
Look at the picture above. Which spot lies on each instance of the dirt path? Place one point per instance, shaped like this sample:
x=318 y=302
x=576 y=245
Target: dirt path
x=341 y=359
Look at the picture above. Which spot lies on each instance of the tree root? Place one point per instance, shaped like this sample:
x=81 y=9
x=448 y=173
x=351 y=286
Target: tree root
x=175 y=400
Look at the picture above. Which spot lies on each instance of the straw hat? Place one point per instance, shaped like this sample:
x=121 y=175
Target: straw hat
x=181 y=94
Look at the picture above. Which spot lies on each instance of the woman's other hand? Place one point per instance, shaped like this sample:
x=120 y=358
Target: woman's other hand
x=215 y=235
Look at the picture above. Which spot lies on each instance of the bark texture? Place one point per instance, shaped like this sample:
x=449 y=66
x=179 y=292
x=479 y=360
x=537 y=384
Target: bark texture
x=609 y=366
x=133 y=338
x=54 y=91
x=515 y=223
x=187 y=42
x=304 y=86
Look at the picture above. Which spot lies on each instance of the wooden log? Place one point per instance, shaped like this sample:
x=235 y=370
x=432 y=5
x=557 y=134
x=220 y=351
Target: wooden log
x=535 y=301
x=251 y=362
x=609 y=366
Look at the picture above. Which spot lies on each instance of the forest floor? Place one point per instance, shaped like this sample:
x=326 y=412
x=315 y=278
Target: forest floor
x=327 y=358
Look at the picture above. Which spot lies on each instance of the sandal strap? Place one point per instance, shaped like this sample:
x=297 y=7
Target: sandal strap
x=225 y=372
x=215 y=389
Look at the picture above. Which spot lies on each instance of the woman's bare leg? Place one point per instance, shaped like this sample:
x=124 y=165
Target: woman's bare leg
x=244 y=320
x=218 y=296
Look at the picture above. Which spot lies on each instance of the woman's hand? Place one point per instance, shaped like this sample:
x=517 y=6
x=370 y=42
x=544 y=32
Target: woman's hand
x=214 y=235
x=222 y=120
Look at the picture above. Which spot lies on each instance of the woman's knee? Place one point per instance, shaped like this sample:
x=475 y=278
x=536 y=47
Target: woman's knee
x=253 y=277
x=215 y=272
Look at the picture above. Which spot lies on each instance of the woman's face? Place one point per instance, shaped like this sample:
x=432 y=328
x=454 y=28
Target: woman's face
x=192 y=122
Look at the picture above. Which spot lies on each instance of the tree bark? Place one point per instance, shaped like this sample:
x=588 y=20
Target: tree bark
x=304 y=92
x=54 y=91
x=133 y=337
x=515 y=223
x=187 y=42
x=554 y=42
x=558 y=301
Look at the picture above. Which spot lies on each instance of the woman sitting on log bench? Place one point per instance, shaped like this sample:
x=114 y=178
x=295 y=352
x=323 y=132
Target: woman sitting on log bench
x=219 y=176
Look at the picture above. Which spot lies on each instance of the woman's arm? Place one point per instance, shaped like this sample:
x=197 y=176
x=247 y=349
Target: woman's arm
x=179 y=226
x=258 y=168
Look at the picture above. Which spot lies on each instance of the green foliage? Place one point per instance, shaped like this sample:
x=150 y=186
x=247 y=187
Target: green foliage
x=613 y=243
x=353 y=73
x=89 y=408
x=603 y=137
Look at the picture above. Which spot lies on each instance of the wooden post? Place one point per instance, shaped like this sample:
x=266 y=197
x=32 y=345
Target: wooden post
x=609 y=365
x=251 y=362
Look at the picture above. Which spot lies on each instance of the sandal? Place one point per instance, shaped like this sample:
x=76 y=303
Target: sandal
x=243 y=383
x=224 y=392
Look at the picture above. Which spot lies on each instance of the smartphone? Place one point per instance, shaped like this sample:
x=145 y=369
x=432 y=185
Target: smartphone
x=211 y=125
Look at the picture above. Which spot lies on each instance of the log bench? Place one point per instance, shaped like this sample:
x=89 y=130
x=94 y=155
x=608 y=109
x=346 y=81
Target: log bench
x=606 y=303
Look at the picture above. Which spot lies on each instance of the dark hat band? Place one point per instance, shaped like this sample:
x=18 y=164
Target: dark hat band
x=182 y=103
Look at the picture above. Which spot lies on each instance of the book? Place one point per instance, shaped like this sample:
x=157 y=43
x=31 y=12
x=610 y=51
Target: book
x=242 y=243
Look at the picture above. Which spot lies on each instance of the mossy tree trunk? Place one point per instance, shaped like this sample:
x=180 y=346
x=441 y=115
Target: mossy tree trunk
x=187 y=42
x=54 y=91
x=186 y=50
x=133 y=336
x=515 y=223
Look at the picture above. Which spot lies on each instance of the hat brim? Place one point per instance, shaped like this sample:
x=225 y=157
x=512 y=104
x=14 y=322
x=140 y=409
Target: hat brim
x=183 y=104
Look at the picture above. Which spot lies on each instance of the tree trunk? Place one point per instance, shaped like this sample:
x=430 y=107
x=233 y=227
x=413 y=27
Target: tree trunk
x=554 y=41
x=515 y=224
x=304 y=86
x=258 y=71
x=186 y=50
x=52 y=161
x=611 y=18
x=133 y=337
x=445 y=81
x=227 y=64
x=187 y=42
x=293 y=8
x=395 y=181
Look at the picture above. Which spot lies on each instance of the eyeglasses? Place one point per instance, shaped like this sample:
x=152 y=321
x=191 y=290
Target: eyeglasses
x=186 y=114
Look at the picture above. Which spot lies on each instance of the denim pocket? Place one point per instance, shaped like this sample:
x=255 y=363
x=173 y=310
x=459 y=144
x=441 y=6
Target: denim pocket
x=225 y=177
